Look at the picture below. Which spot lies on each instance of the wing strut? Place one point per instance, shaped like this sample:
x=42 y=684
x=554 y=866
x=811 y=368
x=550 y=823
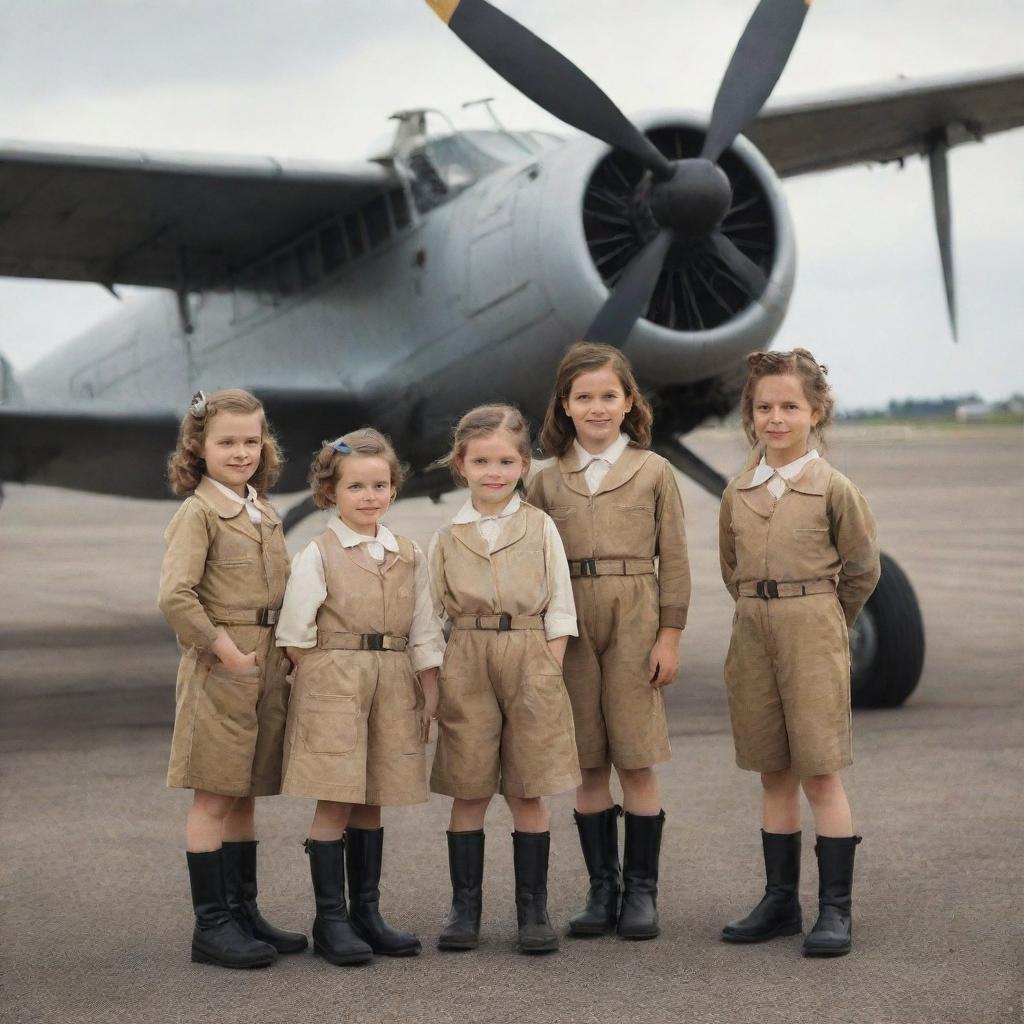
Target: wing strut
x=938 y=164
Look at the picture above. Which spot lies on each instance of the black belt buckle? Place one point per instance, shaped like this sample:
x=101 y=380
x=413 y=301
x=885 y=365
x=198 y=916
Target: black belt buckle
x=373 y=641
x=504 y=622
x=588 y=566
x=767 y=589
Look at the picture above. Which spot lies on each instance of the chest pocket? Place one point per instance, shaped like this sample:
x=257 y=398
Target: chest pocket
x=561 y=513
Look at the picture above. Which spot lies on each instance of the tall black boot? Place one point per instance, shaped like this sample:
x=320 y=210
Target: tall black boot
x=217 y=938
x=241 y=891
x=530 y=859
x=333 y=936
x=364 y=852
x=638 y=916
x=832 y=934
x=778 y=913
x=599 y=840
x=466 y=866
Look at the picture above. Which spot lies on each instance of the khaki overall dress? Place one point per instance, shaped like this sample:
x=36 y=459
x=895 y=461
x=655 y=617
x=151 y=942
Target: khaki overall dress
x=354 y=720
x=611 y=539
x=787 y=672
x=504 y=717
x=221 y=570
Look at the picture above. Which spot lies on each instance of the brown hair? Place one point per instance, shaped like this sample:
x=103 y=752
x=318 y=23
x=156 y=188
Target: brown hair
x=802 y=365
x=186 y=465
x=558 y=432
x=325 y=470
x=483 y=421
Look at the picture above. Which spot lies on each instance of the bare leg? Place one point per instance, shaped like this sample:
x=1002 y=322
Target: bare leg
x=828 y=801
x=641 y=793
x=468 y=815
x=594 y=792
x=529 y=815
x=780 y=813
x=365 y=816
x=204 y=827
x=329 y=820
x=240 y=824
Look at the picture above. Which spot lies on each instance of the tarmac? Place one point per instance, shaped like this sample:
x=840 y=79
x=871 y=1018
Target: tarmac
x=95 y=910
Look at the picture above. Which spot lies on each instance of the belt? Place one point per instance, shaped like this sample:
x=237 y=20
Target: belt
x=247 y=617
x=361 y=642
x=611 y=567
x=768 y=589
x=501 y=622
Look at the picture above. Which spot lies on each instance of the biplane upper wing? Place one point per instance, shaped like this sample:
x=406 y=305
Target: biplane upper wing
x=167 y=220
x=888 y=122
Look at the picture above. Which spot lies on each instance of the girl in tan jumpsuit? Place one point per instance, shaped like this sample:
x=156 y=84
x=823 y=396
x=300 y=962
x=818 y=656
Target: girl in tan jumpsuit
x=221 y=587
x=500 y=578
x=617 y=509
x=799 y=557
x=359 y=624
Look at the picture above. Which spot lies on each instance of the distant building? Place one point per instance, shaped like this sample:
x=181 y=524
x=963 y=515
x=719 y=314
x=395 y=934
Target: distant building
x=969 y=412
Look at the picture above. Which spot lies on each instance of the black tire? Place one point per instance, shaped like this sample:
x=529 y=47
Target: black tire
x=297 y=513
x=887 y=643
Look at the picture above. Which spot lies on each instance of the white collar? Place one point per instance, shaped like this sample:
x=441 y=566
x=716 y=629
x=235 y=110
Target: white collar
x=790 y=471
x=350 y=539
x=468 y=514
x=250 y=491
x=609 y=455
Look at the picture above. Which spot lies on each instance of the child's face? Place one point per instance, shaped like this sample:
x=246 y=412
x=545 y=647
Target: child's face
x=492 y=467
x=597 y=404
x=783 y=418
x=232 y=448
x=363 y=492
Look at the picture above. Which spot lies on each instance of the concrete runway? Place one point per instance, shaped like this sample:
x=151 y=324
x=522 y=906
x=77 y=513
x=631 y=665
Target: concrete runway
x=95 y=911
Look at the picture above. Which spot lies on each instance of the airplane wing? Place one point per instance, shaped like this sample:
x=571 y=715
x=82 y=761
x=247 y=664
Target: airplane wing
x=888 y=122
x=162 y=219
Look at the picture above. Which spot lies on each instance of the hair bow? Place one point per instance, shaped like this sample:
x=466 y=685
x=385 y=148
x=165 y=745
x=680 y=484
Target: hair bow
x=198 y=405
x=338 y=445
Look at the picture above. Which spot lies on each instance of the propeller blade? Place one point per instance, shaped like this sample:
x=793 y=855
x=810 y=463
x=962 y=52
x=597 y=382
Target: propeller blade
x=541 y=73
x=755 y=67
x=742 y=267
x=632 y=294
x=939 y=166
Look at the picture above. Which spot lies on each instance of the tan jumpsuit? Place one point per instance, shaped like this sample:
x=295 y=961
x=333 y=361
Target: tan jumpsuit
x=220 y=570
x=504 y=716
x=611 y=539
x=353 y=724
x=787 y=672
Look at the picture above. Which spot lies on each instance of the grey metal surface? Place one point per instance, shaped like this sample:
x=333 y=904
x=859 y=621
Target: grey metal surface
x=95 y=920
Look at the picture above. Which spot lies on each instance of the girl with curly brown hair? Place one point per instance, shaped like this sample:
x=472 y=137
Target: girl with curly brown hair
x=221 y=586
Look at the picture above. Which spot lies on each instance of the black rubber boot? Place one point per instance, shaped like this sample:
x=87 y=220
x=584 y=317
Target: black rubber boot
x=638 y=916
x=333 y=936
x=778 y=913
x=599 y=840
x=217 y=938
x=466 y=866
x=530 y=859
x=364 y=852
x=832 y=934
x=241 y=891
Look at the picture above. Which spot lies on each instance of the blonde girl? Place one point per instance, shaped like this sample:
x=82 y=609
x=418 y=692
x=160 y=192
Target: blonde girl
x=221 y=586
x=500 y=578
x=799 y=557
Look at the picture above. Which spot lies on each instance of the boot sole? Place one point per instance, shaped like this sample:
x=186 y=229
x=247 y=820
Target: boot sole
x=457 y=945
x=199 y=957
x=589 y=932
x=546 y=947
x=639 y=936
x=342 y=961
x=793 y=928
x=826 y=951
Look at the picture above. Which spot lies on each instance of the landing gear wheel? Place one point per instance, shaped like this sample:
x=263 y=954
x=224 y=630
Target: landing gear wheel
x=297 y=513
x=887 y=643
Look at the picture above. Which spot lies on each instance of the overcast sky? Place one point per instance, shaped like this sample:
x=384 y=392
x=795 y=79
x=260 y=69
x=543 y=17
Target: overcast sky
x=312 y=78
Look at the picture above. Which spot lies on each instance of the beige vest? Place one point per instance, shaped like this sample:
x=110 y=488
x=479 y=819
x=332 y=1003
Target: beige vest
x=512 y=578
x=362 y=595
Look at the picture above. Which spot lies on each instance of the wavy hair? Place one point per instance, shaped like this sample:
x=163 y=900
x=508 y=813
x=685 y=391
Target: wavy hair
x=325 y=469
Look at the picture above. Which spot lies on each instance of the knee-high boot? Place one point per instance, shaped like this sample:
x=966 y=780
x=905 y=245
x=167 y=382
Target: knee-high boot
x=333 y=936
x=778 y=913
x=530 y=859
x=599 y=840
x=638 y=916
x=466 y=867
x=832 y=934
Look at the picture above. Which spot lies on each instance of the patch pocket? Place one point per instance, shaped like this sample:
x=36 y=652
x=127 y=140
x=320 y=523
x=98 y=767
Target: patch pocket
x=330 y=723
x=230 y=563
x=637 y=509
x=561 y=513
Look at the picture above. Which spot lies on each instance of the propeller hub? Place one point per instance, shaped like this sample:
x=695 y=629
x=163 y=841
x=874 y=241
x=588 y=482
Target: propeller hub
x=694 y=201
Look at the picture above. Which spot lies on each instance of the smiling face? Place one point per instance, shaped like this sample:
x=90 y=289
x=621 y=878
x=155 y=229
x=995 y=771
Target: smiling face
x=783 y=418
x=232 y=447
x=597 y=404
x=492 y=466
x=363 y=492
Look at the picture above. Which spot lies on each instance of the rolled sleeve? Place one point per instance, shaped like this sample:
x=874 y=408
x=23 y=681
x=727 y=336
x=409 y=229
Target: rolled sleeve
x=426 y=639
x=673 y=560
x=188 y=542
x=306 y=591
x=560 y=615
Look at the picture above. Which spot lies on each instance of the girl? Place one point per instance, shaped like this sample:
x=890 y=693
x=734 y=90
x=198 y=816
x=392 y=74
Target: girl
x=358 y=623
x=500 y=578
x=221 y=586
x=617 y=508
x=798 y=551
